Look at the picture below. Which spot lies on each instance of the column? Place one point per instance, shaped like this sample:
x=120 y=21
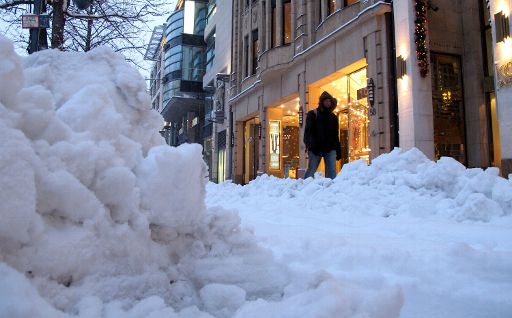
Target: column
x=503 y=78
x=415 y=109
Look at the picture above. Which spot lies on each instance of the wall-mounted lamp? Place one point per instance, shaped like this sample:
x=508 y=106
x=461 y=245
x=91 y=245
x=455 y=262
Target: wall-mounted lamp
x=502 y=26
x=401 y=67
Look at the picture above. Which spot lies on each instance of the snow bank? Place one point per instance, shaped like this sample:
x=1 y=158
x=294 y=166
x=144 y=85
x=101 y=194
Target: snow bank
x=99 y=216
x=397 y=183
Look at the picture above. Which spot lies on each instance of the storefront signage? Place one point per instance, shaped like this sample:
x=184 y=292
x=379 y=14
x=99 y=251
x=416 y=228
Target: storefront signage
x=29 y=21
x=275 y=143
x=362 y=93
x=301 y=116
x=33 y=21
x=371 y=91
x=505 y=74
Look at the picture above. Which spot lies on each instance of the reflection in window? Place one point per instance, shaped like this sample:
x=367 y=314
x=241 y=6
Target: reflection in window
x=255 y=50
x=210 y=50
x=287 y=22
x=212 y=9
x=193 y=63
x=331 y=5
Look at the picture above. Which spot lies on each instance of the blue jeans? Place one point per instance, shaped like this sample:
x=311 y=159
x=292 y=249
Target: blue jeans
x=314 y=162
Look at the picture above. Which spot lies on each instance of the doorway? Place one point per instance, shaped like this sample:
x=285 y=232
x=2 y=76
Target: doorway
x=252 y=133
x=448 y=103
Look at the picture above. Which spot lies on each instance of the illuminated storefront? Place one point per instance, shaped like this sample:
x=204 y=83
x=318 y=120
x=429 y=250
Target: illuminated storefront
x=284 y=139
x=351 y=92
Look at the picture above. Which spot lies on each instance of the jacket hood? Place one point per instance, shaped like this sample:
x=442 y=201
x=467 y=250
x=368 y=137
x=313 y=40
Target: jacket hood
x=325 y=95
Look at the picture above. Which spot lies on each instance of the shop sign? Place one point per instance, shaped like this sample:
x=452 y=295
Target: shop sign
x=30 y=21
x=44 y=21
x=301 y=116
x=371 y=91
x=275 y=142
x=362 y=93
x=505 y=74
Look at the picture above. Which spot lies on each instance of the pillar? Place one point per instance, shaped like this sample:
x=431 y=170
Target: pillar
x=415 y=109
x=503 y=82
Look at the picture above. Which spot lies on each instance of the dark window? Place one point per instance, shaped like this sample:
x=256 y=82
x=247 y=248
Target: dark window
x=350 y=2
x=210 y=50
x=212 y=8
x=255 y=50
x=274 y=25
x=246 y=56
x=331 y=6
x=287 y=22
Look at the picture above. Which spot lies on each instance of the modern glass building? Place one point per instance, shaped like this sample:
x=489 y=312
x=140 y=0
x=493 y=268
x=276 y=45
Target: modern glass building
x=183 y=69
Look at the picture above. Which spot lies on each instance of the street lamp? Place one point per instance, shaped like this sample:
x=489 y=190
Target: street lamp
x=82 y=4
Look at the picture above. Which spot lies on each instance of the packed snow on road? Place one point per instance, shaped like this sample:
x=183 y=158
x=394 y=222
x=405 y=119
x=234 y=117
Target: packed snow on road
x=99 y=218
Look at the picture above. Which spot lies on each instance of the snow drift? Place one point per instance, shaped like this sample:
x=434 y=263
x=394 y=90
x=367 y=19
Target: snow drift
x=99 y=216
x=396 y=183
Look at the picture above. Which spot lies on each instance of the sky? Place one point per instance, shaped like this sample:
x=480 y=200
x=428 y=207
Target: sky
x=12 y=31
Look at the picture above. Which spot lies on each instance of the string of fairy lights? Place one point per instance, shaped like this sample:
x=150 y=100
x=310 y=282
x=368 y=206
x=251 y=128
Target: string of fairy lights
x=420 y=36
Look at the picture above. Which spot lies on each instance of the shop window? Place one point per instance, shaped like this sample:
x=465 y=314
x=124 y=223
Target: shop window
x=284 y=139
x=352 y=111
x=447 y=100
x=287 y=22
x=255 y=51
x=222 y=156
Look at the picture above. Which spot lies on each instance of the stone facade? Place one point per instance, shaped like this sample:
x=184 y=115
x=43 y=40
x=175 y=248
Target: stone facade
x=457 y=110
x=323 y=48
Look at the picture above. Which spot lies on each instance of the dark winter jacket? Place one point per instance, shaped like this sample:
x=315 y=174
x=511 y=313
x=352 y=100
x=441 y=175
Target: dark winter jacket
x=321 y=134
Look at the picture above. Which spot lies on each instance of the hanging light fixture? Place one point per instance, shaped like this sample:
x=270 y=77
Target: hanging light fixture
x=82 y=4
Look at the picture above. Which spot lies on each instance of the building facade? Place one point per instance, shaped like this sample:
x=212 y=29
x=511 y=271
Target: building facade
x=217 y=142
x=405 y=73
x=285 y=53
x=451 y=102
x=177 y=77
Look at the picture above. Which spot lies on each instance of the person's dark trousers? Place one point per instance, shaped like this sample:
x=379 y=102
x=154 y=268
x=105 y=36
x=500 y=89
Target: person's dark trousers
x=314 y=162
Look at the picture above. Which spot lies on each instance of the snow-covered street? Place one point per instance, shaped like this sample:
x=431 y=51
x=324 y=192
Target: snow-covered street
x=382 y=235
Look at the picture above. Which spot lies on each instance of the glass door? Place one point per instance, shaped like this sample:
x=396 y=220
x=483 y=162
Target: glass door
x=251 y=149
x=447 y=100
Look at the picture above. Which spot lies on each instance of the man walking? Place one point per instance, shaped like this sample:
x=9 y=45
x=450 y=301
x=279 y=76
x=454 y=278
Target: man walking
x=321 y=137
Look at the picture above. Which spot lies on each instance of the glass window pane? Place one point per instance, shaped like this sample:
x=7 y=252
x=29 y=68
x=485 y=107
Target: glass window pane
x=287 y=23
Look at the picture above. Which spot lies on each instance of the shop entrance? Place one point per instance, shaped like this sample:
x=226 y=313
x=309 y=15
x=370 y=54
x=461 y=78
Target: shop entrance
x=284 y=137
x=251 y=149
x=447 y=97
x=352 y=111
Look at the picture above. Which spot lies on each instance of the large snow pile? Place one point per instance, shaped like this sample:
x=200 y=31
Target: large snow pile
x=395 y=183
x=433 y=236
x=98 y=216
